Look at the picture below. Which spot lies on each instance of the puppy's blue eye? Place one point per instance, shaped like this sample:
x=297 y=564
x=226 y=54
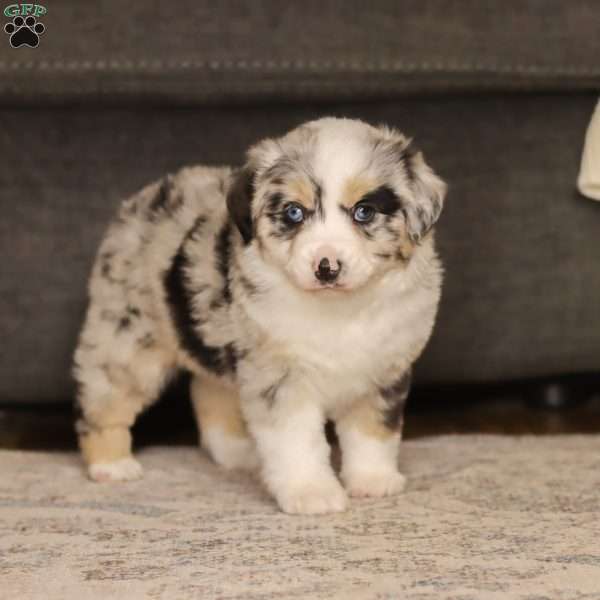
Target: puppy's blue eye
x=294 y=213
x=363 y=213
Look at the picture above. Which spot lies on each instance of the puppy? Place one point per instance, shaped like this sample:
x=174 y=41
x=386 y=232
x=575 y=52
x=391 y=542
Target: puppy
x=297 y=289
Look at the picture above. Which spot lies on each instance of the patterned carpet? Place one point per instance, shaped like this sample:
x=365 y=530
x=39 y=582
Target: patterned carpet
x=484 y=517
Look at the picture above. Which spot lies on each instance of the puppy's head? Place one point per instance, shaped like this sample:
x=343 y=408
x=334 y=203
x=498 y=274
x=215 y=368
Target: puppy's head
x=335 y=202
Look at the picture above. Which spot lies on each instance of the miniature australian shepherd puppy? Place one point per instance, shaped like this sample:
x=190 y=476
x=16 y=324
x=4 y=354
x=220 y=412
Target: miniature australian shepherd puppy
x=297 y=289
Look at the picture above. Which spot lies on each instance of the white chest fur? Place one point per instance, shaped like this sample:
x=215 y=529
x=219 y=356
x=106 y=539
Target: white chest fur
x=346 y=344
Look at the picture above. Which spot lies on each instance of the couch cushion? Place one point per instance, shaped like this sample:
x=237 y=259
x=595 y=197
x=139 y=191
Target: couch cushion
x=200 y=51
x=520 y=250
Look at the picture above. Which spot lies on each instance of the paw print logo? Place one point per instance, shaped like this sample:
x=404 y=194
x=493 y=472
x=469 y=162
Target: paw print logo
x=24 y=32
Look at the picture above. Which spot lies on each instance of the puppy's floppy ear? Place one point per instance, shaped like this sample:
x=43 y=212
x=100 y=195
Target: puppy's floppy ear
x=239 y=201
x=429 y=194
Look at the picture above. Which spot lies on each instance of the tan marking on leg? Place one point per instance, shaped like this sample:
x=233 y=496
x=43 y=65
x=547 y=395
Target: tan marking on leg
x=105 y=435
x=369 y=452
x=105 y=445
x=222 y=428
x=217 y=404
x=368 y=419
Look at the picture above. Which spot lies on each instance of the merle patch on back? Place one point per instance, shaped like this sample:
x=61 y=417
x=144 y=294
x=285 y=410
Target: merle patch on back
x=223 y=259
x=167 y=200
x=218 y=359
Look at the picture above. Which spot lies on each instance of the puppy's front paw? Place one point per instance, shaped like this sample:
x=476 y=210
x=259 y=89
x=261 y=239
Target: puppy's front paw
x=313 y=497
x=374 y=484
x=124 y=469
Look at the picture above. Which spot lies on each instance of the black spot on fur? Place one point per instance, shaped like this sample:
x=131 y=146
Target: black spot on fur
x=196 y=228
x=223 y=258
x=161 y=200
x=318 y=191
x=167 y=200
x=107 y=268
x=124 y=324
x=146 y=341
x=275 y=201
x=386 y=204
x=401 y=151
x=383 y=199
x=133 y=311
x=395 y=398
x=105 y=264
x=218 y=359
x=239 y=202
x=406 y=155
x=230 y=358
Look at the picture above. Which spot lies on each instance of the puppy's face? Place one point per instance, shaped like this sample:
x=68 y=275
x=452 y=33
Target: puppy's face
x=336 y=202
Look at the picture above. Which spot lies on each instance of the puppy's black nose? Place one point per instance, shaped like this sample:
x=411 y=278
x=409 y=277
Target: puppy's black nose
x=325 y=273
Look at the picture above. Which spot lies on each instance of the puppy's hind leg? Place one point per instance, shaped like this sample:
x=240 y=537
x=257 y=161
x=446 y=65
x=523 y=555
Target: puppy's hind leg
x=223 y=432
x=110 y=398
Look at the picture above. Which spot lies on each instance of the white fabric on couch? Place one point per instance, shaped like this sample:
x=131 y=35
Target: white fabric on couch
x=588 y=181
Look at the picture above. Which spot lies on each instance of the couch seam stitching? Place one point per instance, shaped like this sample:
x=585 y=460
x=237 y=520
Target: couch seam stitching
x=295 y=65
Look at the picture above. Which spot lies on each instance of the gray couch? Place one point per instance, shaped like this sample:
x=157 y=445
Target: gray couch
x=498 y=95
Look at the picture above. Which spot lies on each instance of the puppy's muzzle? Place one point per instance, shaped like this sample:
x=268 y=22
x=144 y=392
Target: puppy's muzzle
x=327 y=265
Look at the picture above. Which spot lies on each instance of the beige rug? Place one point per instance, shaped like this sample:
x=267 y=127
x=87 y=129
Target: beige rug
x=483 y=517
